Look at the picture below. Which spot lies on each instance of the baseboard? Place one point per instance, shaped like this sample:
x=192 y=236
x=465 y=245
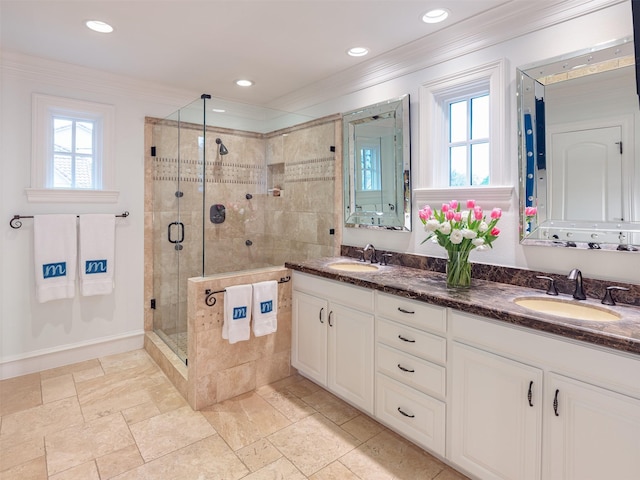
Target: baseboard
x=66 y=355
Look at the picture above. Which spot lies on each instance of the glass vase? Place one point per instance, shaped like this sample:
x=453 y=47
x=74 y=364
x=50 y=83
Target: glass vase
x=458 y=270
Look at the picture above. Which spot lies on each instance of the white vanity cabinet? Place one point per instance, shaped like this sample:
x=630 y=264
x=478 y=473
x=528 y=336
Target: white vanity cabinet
x=495 y=400
x=410 y=369
x=528 y=405
x=332 y=337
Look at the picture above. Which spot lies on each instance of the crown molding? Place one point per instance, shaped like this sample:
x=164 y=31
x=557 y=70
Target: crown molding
x=39 y=69
x=482 y=31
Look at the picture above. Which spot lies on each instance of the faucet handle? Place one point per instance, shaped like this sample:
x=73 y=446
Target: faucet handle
x=385 y=258
x=552 y=289
x=608 y=298
x=361 y=252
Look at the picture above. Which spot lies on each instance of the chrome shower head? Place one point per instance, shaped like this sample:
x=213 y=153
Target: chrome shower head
x=223 y=150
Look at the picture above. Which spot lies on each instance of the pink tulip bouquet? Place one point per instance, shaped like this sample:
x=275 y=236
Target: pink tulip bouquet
x=459 y=232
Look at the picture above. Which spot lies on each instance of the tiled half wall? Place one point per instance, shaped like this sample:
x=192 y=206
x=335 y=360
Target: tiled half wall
x=219 y=370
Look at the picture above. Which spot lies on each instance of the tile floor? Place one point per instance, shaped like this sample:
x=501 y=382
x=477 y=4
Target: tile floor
x=119 y=417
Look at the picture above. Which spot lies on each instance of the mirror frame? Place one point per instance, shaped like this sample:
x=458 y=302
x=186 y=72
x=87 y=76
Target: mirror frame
x=543 y=231
x=401 y=221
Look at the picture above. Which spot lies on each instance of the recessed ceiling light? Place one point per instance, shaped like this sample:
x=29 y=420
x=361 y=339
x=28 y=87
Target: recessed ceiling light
x=218 y=110
x=435 y=16
x=98 y=26
x=358 y=51
x=244 y=83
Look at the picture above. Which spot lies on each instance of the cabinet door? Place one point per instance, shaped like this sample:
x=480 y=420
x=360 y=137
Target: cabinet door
x=351 y=362
x=590 y=432
x=309 y=336
x=496 y=429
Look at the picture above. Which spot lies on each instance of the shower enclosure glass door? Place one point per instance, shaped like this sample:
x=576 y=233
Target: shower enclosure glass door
x=177 y=222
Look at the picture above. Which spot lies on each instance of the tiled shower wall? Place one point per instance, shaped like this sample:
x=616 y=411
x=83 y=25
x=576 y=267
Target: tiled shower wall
x=295 y=225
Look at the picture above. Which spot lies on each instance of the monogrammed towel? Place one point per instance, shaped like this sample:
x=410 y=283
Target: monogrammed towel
x=237 y=313
x=265 y=308
x=97 y=253
x=55 y=256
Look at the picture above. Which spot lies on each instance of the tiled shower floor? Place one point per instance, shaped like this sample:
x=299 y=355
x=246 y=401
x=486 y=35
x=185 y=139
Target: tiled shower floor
x=119 y=417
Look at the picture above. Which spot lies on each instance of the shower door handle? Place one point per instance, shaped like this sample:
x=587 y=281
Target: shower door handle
x=169 y=230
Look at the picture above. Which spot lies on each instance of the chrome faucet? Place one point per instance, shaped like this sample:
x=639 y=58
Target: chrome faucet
x=372 y=257
x=576 y=275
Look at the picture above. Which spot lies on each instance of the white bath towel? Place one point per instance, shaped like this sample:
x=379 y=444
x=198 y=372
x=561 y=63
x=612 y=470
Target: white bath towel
x=237 y=313
x=265 y=308
x=55 y=256
x=97 y=254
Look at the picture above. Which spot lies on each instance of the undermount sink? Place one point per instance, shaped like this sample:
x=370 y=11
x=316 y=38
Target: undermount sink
x=353 y=267
x=568 y=309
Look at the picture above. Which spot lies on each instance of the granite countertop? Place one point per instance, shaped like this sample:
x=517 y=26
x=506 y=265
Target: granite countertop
x=487 y=299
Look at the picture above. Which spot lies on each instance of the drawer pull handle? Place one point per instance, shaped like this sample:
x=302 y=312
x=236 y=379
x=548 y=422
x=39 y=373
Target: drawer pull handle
x=406 y=339
x=406 y=414
x=405 y=311
x=320 y=315
x=410 y=370
x=555 y=403
x=530 y=393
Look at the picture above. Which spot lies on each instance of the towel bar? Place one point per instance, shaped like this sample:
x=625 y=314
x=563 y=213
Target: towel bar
x=210 y=300
x=16 y=223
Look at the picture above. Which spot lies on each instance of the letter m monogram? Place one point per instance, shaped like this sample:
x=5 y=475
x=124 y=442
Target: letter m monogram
x=95 y=266
x=239 y=313
x=52 y=270
x=266 y=307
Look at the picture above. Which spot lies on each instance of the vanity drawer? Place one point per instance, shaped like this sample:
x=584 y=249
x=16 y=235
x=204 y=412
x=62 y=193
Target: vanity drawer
x=358 y=298
x=415 y=372
x=415 y=415
x=411 y=312
x=411 y=340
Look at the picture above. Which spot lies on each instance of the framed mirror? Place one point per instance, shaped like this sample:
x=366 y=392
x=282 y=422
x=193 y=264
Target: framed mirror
x=377 y=166
x=578 y=118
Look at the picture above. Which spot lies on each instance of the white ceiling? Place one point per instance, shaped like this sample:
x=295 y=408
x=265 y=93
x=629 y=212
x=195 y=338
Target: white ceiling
x=204 y=46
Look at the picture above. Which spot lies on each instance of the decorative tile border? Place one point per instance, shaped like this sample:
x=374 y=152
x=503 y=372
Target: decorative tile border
x=166 y=168
x=315 y=169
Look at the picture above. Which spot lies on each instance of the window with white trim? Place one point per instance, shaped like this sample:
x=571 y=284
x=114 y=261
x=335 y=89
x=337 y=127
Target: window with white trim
x=75 y=158
x=463 y=125
x=72 y=158
x=468 y=140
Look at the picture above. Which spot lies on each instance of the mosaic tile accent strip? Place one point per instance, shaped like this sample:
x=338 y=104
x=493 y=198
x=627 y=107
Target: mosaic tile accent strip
x=314 y=169
x=166 y=168
x=222 y=172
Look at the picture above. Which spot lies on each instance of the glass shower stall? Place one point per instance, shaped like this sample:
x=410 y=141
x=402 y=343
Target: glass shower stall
x=214 y=206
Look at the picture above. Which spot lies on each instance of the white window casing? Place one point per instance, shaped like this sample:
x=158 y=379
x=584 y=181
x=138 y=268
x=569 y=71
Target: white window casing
x=44 y=107
x=434 y=97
